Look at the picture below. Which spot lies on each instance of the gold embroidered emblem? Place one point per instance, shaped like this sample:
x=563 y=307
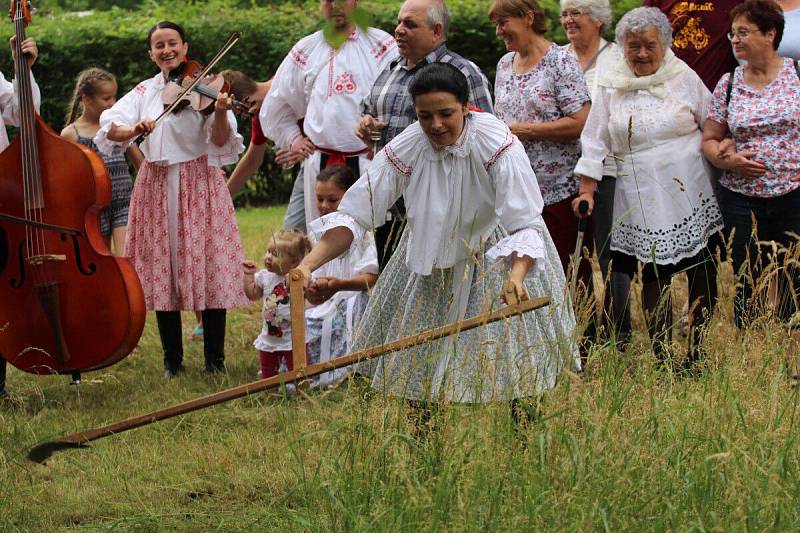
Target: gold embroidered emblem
x=687 y=29
x=692 y=34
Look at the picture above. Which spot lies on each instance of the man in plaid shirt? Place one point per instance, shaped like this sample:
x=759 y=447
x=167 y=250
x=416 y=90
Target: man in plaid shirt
x=421 y=35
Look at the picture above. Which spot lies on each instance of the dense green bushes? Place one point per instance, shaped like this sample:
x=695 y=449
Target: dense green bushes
x=114 y=40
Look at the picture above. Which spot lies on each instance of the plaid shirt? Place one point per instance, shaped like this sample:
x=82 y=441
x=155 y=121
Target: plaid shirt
x=390 y=102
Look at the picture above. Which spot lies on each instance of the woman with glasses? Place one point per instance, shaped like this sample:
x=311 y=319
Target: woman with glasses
x=647 y=112
x=759 y=108
x=583 y=22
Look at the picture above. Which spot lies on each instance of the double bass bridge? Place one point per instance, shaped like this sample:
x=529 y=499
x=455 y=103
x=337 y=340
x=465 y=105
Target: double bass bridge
x=36 y=260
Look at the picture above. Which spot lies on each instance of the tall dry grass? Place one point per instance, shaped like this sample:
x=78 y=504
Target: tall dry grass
x=624 y=446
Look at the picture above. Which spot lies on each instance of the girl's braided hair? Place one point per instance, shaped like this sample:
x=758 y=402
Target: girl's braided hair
x=86 y=85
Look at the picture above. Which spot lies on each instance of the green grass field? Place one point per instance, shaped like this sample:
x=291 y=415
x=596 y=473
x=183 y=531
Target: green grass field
x=621 y=447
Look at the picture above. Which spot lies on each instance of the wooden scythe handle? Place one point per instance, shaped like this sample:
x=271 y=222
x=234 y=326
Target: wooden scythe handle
x=297 y=310
x=42 y=451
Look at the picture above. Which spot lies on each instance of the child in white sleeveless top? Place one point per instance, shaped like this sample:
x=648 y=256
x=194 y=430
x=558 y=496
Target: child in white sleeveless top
x=339 y=288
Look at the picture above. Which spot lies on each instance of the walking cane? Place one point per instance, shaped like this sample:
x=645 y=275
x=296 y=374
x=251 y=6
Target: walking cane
x=41 y=452
x=583 y=208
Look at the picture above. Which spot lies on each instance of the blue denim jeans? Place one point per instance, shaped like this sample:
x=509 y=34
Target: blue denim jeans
x=757 y=223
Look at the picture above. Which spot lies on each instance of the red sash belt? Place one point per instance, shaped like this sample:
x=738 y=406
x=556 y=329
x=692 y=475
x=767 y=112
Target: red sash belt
x=335 y=157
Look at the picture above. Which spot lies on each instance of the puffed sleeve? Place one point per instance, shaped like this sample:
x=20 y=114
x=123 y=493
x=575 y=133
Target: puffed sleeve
x=228 y=153
x=263 y=279
x=518 y=204
x=595 y=139
x=127 y=111
x=368 y=200
x=9 y=100
x=365 y=255
x=286 y=102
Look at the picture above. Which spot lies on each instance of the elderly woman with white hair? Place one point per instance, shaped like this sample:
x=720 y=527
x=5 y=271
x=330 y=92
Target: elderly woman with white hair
x=648 y=112
x=583 y=22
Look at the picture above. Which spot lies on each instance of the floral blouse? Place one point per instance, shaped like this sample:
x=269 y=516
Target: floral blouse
x=276 y=330
x=551 y=90
x=767 y=122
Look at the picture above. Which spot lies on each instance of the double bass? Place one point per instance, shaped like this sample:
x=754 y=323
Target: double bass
x=66 y=304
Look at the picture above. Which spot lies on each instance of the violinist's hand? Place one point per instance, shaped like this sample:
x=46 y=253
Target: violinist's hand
x=223 y=104
x=287 y=158
x=366 y=125
x=143 y=127
x=28 y=48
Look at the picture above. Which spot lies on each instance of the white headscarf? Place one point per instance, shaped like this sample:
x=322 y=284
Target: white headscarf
x=618 y=75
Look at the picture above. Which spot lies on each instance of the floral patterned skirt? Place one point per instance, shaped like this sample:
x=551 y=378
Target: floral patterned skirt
x=331 y=336
x=205 y=271
x=518 y=357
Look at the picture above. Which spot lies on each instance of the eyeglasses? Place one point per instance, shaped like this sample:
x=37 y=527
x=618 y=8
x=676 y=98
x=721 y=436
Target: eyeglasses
x=571 y=13
x=741 y=34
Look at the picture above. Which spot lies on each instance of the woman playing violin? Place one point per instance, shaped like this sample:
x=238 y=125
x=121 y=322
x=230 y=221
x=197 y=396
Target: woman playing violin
x=182 y=237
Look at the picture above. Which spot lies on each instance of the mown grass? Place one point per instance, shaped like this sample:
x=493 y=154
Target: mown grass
x=624 y=446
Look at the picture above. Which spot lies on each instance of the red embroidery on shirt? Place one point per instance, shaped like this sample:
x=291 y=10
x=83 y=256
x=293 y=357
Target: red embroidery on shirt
x=300 y=56
x=401 y=167
x=141 y=89
x=383 y=47
x=509 y=140
x=345 y=84
x=331 y=57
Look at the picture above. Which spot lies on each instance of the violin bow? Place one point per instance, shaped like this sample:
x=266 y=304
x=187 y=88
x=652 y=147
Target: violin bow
x=41 y=452
x=235 y=36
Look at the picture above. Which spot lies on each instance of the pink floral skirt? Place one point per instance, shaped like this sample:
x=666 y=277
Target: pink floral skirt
x=208 y=273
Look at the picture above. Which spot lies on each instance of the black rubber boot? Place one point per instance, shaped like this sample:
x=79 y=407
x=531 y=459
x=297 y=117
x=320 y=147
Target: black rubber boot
x=214 y=339
x=169 y=329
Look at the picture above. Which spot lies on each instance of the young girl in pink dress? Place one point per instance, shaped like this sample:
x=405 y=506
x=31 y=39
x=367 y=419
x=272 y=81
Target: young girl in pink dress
x=182 y=237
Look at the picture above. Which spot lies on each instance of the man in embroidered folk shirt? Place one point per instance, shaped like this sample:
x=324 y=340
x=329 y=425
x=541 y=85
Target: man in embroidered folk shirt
x=700 y=35
x=324 y=87
x=421 y=35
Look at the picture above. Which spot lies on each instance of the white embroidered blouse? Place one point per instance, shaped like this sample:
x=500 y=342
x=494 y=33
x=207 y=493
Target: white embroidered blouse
x=177 y=138
x=664 y=204
x=325 y=87
x=9 y=105
x=455 y=196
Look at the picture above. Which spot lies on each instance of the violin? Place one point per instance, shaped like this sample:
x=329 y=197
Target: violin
x=66 y=304
x=189 y=83
x=203 y=95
